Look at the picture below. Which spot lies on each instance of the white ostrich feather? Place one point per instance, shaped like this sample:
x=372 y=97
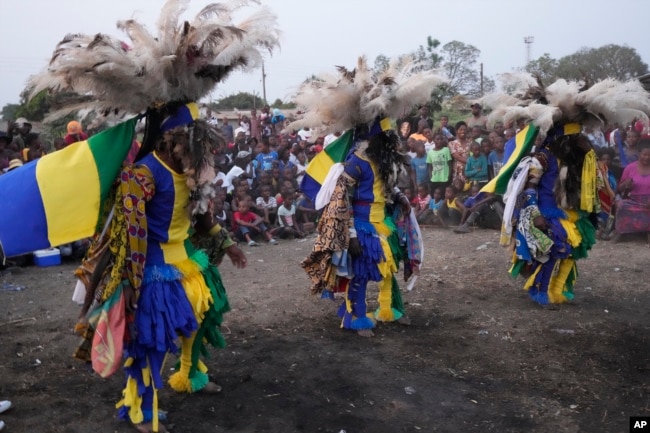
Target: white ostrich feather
x=353 y=97
x=182 y=62
x=563 y=101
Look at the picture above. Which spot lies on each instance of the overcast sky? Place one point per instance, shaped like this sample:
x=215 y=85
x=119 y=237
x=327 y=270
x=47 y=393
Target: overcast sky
x=320 y=34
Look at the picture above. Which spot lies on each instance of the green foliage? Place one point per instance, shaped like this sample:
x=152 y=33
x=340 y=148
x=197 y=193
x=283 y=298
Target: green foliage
x=609 y=61
x=545 y=67
x=279 y=104
x=35 y=108
x=240 y=101
x=9 y=111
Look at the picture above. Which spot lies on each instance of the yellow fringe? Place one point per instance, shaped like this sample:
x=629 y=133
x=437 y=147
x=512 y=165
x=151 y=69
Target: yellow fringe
x=558 y=280
x=196 y=290
x=573 y=234
x=385 y=312
x=180 y=381
x=531 y=279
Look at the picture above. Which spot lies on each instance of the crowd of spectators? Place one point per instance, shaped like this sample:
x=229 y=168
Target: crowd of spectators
x=449 y=165
x=260 y=167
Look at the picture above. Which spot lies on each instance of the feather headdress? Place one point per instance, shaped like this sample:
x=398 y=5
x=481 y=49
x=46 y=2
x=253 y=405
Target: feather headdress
x=605 y=102
x=182 y=63
x=341 y=101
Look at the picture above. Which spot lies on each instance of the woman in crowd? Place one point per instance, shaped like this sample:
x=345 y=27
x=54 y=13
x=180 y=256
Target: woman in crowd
x=633 y=209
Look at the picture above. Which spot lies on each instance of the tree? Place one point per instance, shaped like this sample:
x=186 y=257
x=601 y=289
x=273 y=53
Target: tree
x=9 y=111
x=609 y=61
x=381 y=63
x=279 y=104
x=460 y=66
x=545 y=67
x=429 y=55
x=35 y=108
x=240 y=101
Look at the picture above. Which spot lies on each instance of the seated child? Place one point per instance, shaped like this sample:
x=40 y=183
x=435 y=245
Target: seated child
x=478 y=205
x=306 y=213
x=221 y=217
x=434 y=206
x=421 y=208
x=288 y=226
x=247 y=224
x=452 y=209
x=267 y=206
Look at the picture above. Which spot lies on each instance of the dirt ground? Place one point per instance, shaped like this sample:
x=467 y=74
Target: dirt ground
x=478 y=357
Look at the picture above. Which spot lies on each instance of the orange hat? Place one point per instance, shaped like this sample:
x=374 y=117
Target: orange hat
x=74 y=127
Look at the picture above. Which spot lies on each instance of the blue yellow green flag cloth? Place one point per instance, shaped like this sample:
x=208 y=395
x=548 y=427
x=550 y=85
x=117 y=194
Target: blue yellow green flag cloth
x=58 y=198
x=524 y=141
x=317 y=170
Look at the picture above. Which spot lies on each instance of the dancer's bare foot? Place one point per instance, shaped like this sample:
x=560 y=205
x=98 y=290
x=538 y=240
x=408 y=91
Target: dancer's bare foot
x=404 y=320
x=367 y=333
x=147 y=427
x=211 y=388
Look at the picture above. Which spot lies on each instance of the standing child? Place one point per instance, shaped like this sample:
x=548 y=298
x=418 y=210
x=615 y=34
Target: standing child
x=495 y=160
x=439 y=164
x=476 y=167
x=419 y=173
x=247 y=223
x=289 y=227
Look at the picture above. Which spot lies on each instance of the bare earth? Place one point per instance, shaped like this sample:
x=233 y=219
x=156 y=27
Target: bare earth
x=478 y=357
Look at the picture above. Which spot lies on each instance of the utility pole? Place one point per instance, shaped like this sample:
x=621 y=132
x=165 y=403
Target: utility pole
x=481 y=79
x=528 y=40
x=264 y=84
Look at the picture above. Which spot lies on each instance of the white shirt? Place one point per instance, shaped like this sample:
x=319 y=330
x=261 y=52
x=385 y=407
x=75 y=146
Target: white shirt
x=234 y=172
x=285 y=216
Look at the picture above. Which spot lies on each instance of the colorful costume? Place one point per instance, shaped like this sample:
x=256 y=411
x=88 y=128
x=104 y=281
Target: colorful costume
x=549 y=256
x=358 y=194
x=552 y=196
x=154 y=206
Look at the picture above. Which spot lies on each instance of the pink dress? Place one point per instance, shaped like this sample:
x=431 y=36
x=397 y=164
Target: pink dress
x=633 y=212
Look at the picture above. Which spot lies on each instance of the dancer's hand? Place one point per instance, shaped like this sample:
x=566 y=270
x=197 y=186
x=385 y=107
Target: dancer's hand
x=237 y=256
x=354 y=248
x=540 y=223
x=130 y=298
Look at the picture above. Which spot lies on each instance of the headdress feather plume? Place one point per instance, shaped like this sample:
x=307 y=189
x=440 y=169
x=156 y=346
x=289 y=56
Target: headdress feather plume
x=606 y=101
x=338 y=102
x=182 y=62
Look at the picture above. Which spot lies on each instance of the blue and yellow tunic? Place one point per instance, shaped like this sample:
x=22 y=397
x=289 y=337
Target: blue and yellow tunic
x=181 y=295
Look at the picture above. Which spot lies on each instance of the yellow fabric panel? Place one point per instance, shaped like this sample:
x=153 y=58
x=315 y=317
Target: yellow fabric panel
x=63 y=196
x=385 y=124
x=174 y=252
x=588 y=187
x=572 y=128
x=378 y=207
x=194 y=110
x=320 y=166
x=180 y=223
